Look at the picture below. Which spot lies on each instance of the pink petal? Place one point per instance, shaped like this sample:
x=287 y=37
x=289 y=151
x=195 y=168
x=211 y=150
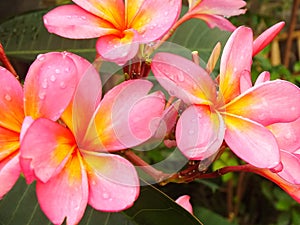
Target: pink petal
x=266 y=37
x=113 y=182
x=71 y=21
x=236 y=58
x=9 y=173
x=199 y=132
x=268 y=103
x=213 y=21
x=225 y=8
x=111 y=11
x=9 y=142
x=11 y=101
x=287 y=135
x=291 y=166
x=263 y=77
x=184 y=201
x=183 y=78
x=127 y=117
x=86 y=98
x=116 y=49
x=49 y=85
x=65 y=195
x=245 y=81
x=251 y=142
x=48 y=146
x=152 y=18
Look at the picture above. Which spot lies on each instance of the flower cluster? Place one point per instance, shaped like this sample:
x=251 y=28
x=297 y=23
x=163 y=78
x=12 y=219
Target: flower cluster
x=60 y=130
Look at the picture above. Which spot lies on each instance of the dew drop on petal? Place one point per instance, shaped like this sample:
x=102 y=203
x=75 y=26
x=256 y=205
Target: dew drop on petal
x=42 y=95
x=57 y=71
x=62 y=85
x=7 y=97
x=83 y=17
x=53 y=78
x=191 y=132
x=40 y=57
x=45 y=84
x=277 y=168
x=105 y=195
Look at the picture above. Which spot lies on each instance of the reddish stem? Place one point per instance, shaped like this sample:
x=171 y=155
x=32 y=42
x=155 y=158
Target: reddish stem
x=6 y=63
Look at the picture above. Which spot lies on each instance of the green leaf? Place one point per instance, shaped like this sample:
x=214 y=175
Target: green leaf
x=211 y=218
x=24 y=37
x=20 y=207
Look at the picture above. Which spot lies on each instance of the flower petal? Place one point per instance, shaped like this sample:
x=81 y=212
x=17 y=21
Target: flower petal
x=49 y=85
x=263 y=77
x=225 y=8
x=71 y=21
x=236 y=58
x=183 y=78
x=287 y=135
x=65 y=195
x=199 y=132
x=184 y=201
x=9 y=173
x=49 y=146
x=116 y=49
x=112 y=11
x=268 y=103
x=291 y=166
x=213 y=21
x=266 y=37
x=152 y=18
x=9 y=143
x=113 y=182
x=11 y=101
x=245 y=81
x=123 y=117
x=86 y=98
x=251 y=142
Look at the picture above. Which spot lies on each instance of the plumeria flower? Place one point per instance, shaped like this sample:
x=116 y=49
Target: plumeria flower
x=288 y=139
x=224 y=112
x=51 y=76
x=73 y=161
x=215 y=12
x=120 y=26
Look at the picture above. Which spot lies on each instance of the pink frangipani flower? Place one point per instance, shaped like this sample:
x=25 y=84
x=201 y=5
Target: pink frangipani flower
x=225 y=112
x=288 y=139
x=215 y=12
x=120 y=25
x=72 y=161
x=51 y=76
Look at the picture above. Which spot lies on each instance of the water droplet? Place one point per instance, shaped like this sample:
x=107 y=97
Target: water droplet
x=194 y=120
x=199 y=115
x=261 y=116
x=288 y=135
x=293 y=108
x=180 y=77
x=7 y=97
x=69 y=17
x=53 y=78
x=105 y=195
x=62 y=84
x=2 y=68
x=40 y=57
x=191 y=131
x=45 y=21
x=277 y=168
x=42 y=95
x=67 y=69
x=44 y=84
x=166 y=13
x=57 y=71
x=83 y=17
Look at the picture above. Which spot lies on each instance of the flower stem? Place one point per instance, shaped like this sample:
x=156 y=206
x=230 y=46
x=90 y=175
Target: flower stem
x=6 y=62
x=159 y=176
